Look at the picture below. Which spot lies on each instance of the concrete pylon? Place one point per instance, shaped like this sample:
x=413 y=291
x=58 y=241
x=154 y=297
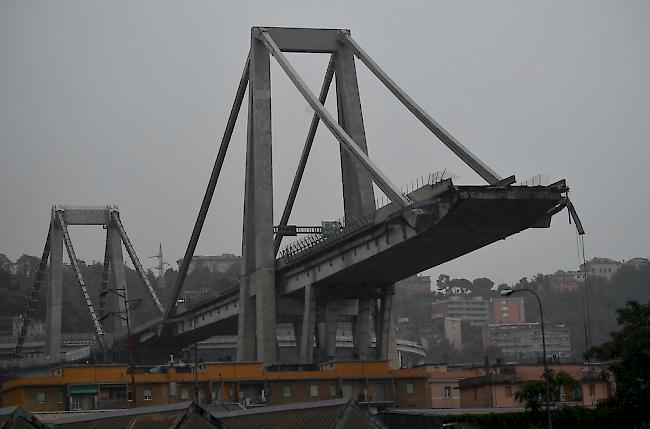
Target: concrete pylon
x=257 y=319
x=55 y=291
x=358 y=194
x=117 y=281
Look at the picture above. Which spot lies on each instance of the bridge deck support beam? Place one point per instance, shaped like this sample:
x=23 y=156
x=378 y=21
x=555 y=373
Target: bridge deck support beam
x=55 y=291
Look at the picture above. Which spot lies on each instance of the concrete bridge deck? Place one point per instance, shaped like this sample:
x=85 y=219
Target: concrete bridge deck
x=443 y=223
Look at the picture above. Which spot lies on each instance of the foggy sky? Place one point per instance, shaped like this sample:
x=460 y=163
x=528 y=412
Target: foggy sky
x=125 y=103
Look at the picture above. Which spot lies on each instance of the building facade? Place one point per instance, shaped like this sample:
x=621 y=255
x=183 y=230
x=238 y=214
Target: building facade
x=566 y=281
x=507 y=310
x=601 y=267
x=498 y=389
x=523 y=341
x=480 y=312
x=476 y=311
x=109 y=386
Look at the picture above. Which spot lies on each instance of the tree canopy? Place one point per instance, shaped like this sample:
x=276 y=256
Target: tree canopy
x=629 y=351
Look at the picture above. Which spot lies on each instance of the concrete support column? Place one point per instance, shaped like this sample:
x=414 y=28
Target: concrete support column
x=55 y=292
x=266 y=347
x=307 y=328
x=331 y=324
x=117 y=281
x=393 y=354
x=383 y=334
x=358 y=194
x=246 y=322
x=361 y=334
x=258 y=256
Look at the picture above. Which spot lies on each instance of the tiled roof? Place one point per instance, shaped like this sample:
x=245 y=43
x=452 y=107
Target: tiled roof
x=339 y=413
x=15 y=417
x=172 y=416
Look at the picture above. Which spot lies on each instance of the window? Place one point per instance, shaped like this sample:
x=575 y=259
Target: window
x=147 y=394
x=508 y=391
x=76 y=402
x=332 y=390
x=409 y=388
x=40 y=397
x=446 y=392
x=313 y=390
x=185 y=394
x=286 y=390
x=59 y=397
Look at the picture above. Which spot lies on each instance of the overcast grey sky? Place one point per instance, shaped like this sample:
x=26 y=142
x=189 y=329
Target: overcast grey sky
x=125 y=103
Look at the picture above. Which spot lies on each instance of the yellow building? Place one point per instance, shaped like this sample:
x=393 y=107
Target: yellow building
x=109 y=386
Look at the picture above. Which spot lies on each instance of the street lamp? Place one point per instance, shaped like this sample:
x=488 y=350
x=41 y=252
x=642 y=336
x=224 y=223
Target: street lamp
x=121 y=292
x=508 y=292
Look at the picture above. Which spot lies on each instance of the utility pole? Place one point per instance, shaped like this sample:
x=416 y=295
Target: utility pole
x=125 y=316
x=161 y=267
x=196 y=375
x=508 y=292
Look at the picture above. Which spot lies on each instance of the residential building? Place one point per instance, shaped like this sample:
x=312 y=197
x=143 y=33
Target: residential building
x=566 y=281
x=507 y=310
x=601 y=267
x=84 y=387
x=443 y=385
x=447 y=328
x=215 y=264
x=476 y=311
x=453 y=332
x=523 y=341
x=498 y=389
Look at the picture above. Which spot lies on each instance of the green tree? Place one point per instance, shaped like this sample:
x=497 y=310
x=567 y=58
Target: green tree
x=629 y=351
x=533 y=392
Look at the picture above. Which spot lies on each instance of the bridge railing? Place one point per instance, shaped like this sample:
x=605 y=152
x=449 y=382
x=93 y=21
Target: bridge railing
x=231 y=286
x=313 y=242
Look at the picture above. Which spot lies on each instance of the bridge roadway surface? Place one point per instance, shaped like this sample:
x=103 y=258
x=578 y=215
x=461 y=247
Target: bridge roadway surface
x=444 y=222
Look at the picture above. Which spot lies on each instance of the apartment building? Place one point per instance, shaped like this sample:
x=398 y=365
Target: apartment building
x=478 y=311
x=523 y=341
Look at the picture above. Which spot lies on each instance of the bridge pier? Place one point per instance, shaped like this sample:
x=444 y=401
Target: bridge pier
x=308 y=326
x=361 y=335
x=386 y=348
x=247 y=324
x=331 y=325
